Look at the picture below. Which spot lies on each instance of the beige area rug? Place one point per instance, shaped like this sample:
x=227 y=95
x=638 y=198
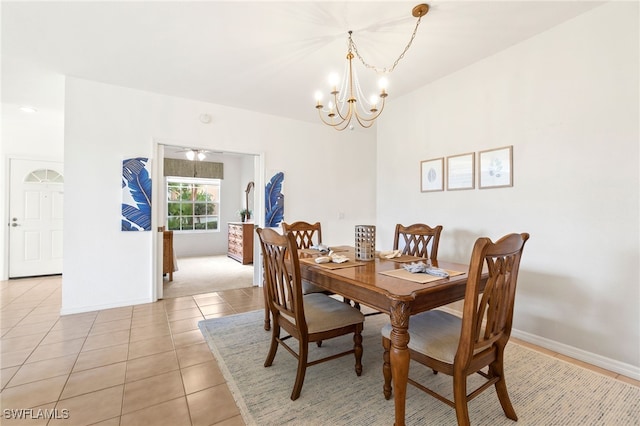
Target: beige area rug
x=543 y=390
x=197 y=275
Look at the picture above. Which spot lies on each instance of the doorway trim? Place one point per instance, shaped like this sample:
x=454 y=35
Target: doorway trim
x=5 y=235
x=158 y=209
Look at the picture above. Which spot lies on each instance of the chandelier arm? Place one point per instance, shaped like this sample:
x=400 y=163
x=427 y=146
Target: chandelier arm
x=369 y=120
x=328 y=123
x=364 y=122
x=346 y=115
x=341 y=125
x=373 y=117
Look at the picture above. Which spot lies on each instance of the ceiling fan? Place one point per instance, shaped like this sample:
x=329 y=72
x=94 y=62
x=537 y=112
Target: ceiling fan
x=195 y=154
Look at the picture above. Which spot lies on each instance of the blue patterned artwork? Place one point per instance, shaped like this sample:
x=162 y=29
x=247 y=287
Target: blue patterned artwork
x=136 y=194
x=274 y=201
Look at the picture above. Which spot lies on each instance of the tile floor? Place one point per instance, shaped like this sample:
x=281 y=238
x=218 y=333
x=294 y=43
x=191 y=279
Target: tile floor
x=138 y=365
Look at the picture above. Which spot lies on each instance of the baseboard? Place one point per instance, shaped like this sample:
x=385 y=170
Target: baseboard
x=83 y=309
x=625 y=369
x=619 y=367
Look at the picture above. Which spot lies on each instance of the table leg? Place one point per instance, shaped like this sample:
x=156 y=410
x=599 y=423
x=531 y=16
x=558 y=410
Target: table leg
x=400 y=312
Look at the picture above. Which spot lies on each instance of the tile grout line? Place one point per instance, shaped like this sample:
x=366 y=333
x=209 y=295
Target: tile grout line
x=57 y=402
x=39 y=344
x=126 y=368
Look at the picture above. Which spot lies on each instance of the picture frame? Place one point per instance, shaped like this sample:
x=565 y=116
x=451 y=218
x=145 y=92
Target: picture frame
x=461 y=172
x=496 y=168
x=431 y=175
x=135 y=186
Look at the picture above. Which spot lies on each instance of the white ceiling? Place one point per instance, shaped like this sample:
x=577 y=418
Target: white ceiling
x=263 y=56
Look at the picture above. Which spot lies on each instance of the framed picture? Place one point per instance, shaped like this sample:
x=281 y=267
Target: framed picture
x=431 y=172
x=274 y=201
x=461 y=172
x=136 y=194
x=496 y=168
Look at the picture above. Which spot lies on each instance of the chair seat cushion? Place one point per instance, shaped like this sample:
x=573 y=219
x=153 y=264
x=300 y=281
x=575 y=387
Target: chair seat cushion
x=433 y=333
x=326 y=313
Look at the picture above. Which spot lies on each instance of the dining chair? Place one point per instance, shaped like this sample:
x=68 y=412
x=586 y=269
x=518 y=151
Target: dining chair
x=307 y=235
x=418 y=240
x=460 y=347
x=307 y=318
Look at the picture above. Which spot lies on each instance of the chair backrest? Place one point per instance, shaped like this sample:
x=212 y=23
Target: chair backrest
x=418 y=240
x=486 y=320
x=306 y=234
x=282 y=275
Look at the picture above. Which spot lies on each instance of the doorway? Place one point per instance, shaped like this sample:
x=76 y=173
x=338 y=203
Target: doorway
x=202 y=262
x=35 y=214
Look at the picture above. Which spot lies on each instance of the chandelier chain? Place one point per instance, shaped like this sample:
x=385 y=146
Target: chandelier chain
x=385 y=70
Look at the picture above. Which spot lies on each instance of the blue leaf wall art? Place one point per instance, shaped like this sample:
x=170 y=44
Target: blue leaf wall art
x=136 y=194
x=274 y=201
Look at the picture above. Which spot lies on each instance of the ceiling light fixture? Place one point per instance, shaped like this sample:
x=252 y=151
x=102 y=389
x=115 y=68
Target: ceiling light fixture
x=192 y=154
x=347 y=98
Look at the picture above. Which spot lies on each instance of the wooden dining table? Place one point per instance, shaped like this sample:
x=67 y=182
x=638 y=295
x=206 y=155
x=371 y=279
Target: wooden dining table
x=367 y=283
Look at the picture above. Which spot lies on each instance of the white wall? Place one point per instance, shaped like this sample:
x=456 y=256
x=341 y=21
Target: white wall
x=567 y=100
x=326 y=172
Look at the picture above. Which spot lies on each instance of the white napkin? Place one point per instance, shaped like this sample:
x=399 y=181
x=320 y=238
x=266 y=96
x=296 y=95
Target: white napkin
x=390 y=254
x=335 y=258
x=321 y=248
x=339 y=258
x=421 y=267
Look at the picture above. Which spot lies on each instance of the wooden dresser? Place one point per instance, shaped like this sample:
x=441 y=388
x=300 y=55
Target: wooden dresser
x=241 y=242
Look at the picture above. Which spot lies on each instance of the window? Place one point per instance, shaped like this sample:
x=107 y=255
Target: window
x=44 y=176
x=193 y=204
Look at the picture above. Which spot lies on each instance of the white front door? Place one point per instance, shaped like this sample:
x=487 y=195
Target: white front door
x=35 y=218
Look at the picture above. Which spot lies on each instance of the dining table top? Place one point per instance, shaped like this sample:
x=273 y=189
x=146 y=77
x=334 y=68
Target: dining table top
x=385 y=277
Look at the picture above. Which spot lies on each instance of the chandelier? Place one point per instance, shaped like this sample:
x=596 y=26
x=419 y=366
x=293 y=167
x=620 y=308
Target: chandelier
x=347 y=100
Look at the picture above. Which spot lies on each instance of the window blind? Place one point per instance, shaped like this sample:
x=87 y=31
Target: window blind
x=200 y=169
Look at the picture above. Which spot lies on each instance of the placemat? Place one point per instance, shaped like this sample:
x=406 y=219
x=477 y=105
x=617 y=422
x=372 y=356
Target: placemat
x=421 y=278
x=404 y=259
x=348 y=264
